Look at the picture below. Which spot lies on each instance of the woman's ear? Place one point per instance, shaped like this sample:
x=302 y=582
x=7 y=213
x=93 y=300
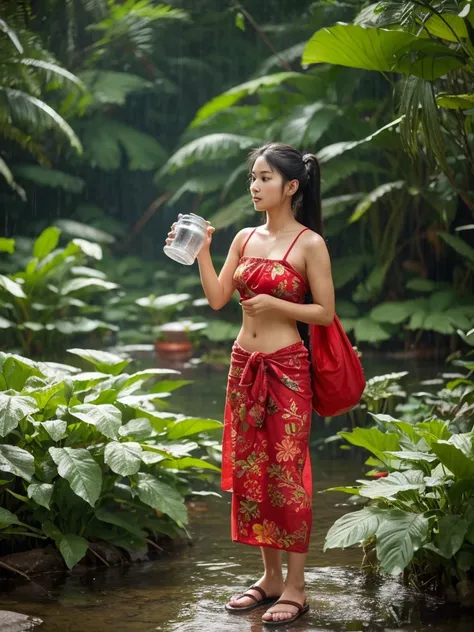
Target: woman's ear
x=293 y=186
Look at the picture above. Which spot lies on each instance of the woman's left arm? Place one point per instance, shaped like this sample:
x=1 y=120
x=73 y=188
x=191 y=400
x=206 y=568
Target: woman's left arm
x=318 y=270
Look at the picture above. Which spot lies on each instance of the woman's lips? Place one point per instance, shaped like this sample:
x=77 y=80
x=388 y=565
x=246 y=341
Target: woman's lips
x=256 y=199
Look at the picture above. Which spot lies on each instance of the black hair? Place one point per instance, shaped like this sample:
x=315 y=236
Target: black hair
x=292 y=165
x=306 y=202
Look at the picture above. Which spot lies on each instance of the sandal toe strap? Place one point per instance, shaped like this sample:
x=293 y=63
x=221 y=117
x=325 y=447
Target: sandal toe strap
x=289 y=603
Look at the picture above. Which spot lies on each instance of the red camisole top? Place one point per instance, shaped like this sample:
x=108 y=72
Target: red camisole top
x=258 y=275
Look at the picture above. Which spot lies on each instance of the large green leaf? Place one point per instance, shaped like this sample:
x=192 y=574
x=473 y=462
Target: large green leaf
x=46 y=242
x=229 y=98
x=73 y=548
x=104 y=361
x=459 y=245
x=7 y=245
x=17 y=461
x=380 y=49
x=394 y=312
x=307 y=123
x=127 y=521
x=186 y=462
x=42 y=394
x=44 y=176
x=86 y=283
x=368 y=330
x=78 y=467
x=187 y=427
x=162 y=497
x=7 y=518
x=105 y=417
x=123 y=458
x=56 y=428
x=78 y=229
x=14 y=408
x=456 y=101
x=354 y=528
x=41 y=493
x=394 y=483
x=137 y=428
x=12 y=287
x=373 y=440
x=141 y=376
x=399 y=536
x=454 y=459
x=452 y=530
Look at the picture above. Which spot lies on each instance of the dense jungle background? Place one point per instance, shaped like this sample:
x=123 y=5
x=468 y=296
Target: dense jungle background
x=115 y=116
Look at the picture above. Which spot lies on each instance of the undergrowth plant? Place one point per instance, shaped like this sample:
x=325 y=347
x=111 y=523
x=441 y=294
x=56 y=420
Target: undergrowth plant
x=87 y=455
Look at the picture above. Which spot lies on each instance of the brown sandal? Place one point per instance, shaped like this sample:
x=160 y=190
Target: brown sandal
x=264 y=601
x=302 y=609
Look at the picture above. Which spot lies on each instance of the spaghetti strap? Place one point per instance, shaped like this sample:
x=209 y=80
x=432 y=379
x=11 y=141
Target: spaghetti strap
x=246 y=242
x=294 y=242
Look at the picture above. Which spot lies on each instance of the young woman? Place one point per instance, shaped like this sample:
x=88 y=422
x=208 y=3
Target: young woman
x=283 y=274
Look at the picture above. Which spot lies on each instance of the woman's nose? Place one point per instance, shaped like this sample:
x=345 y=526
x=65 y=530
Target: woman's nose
x=254 y=188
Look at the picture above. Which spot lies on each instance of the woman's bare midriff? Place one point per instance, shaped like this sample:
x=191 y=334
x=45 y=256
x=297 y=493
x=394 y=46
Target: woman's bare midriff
x=267 y=333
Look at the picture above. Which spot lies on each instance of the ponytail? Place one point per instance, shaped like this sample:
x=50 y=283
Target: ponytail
x=309 y=213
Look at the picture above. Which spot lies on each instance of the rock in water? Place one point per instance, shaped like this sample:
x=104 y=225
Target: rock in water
x=16 y=622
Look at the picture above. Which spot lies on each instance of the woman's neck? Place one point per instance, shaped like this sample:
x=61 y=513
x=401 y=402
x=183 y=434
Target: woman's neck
x=279 y=221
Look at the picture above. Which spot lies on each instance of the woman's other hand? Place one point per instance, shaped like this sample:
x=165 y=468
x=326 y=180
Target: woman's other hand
x=258 y=305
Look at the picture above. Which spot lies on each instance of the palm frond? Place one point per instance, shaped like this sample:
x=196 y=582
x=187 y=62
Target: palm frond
x=26 y=142
x=109 y=86
x=235 y=94
x=337 y=149
x=233 y=213
x=369 y=200
x=199 y=185
x=209 y=148
x=18 y=107
x=12 y=35
x=420 y=115
x=8 y=175
x=49 y=177
x=307 y=123
x=52 y=70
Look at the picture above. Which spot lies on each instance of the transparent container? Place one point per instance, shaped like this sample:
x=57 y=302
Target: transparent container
x=190 y=232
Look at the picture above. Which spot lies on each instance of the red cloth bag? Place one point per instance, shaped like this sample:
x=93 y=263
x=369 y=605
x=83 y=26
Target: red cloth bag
x=338 y=378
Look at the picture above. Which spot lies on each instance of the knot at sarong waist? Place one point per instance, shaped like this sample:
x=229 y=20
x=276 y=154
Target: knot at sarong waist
x=256 y=370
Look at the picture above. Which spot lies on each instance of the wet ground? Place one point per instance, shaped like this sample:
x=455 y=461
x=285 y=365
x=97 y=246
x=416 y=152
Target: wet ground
x=186 y=591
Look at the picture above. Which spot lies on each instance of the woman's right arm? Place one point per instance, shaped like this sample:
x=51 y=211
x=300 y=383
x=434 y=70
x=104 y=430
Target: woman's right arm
x=219 y=289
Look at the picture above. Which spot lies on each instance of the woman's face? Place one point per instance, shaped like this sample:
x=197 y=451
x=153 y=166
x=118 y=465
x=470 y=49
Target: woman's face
x=266 y=186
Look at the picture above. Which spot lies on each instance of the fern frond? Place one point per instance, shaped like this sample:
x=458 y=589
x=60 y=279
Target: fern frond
x=104 y=140
x=22 y=108
x=209 y=148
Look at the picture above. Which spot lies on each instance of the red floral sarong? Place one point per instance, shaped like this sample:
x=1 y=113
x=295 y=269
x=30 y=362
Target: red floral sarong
x=265 y=458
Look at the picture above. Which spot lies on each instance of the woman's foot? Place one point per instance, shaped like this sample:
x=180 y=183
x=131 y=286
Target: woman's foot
x=273 y=587
x=280 y=612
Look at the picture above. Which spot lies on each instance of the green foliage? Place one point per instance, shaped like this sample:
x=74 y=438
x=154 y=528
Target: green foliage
x=50 y=297
x=75 y=468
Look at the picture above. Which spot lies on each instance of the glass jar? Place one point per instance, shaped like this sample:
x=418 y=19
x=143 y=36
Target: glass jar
x=190 y=232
